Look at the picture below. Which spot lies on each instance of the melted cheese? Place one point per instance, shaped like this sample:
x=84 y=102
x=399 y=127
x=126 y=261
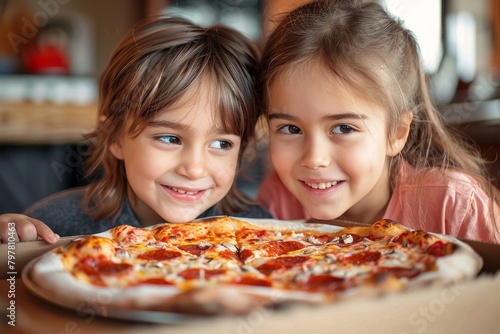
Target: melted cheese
x=91 y=246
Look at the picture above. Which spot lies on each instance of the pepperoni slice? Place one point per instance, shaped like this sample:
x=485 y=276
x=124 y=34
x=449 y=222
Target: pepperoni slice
x=323 y=239
x=196 y=273
x=348 y=242
x=97 y=267
x=279 y=247
x=362 y=257
x=159 y=255
x=403 y=239
x=324 y=282
x=270 y=266
x=155 y=281
x=440 y=248
x=192 y=249
x=245 y=255
x=249 y=280
x=227 y=254
x=281 y=264
x=246 y=233
x=291 y=261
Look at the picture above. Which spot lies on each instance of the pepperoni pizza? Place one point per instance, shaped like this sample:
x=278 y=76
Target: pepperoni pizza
x=229 y=265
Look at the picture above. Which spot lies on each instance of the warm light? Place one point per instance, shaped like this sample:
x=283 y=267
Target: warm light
x=462 y=29
x=423 y=18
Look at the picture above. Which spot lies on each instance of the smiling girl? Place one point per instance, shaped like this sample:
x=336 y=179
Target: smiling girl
x=177 y=111
x=353 y=133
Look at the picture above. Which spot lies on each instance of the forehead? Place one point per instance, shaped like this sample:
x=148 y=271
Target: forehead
x=314 y=88
x=199 y=100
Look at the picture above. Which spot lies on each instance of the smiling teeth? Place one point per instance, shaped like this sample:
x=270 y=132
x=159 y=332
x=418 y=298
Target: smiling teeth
x=321 y=185
x=180 y=191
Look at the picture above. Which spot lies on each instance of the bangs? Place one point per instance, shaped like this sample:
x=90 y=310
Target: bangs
x=163 y=91
x=230 y=117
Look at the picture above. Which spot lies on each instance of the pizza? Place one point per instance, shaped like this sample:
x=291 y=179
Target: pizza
x=223 y=265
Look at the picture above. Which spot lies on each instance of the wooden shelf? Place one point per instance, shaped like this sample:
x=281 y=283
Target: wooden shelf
x=32 y=124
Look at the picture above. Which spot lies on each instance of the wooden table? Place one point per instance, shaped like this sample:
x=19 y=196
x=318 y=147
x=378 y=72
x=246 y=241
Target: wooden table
x=470 y=307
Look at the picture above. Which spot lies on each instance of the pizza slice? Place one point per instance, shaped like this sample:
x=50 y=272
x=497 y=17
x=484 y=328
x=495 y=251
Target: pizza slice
x=257 y=242
x=202 y=254
x=213 y=238
x=120 y=257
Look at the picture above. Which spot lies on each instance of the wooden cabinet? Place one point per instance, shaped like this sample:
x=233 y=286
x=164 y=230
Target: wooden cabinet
x=42 y=124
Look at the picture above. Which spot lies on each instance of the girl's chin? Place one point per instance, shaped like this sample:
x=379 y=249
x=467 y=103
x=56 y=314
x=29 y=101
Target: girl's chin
x=318 y=215
x=325 y=218
x=182 y=219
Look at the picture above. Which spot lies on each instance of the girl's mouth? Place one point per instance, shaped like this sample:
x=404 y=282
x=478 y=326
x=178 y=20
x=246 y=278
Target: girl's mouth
x=181 y=191
x=321 y=185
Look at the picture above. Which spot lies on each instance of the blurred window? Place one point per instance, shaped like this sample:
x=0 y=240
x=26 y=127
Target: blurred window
x=424 y=18
x=243 y=15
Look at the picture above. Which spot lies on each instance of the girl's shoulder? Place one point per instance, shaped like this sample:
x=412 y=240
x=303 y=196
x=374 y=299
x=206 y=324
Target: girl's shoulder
x=64 y=213
x=62 y=200
x=434 y=177
x=254 y=211
x=446 y=201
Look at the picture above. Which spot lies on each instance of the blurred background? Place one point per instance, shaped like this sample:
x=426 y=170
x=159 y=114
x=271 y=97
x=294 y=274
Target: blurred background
x=52 y=53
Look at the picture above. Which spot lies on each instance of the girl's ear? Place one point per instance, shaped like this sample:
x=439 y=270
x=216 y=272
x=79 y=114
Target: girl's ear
x=399 y=137
x=116 y=149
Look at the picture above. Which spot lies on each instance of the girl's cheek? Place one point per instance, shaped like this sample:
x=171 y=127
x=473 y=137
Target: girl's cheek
x=225 y=175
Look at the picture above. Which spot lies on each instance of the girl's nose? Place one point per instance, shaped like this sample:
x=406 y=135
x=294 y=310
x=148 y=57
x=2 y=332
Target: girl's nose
x=315 y=156
x=192 y=165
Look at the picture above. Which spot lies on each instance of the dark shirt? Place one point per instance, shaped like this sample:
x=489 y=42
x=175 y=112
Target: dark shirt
x=63 y=213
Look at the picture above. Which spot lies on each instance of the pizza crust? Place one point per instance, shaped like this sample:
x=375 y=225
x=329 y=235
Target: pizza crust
x=463 y=264
x=48 y=273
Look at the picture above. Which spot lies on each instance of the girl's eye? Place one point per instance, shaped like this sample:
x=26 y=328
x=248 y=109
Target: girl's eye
x=290 y=130
x=173 y=140
x=342 y=129
x=222 y=144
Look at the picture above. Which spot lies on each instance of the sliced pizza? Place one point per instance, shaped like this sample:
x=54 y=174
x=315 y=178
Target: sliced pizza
x=208 y=265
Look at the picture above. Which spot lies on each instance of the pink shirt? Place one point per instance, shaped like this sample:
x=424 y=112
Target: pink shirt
x=448 y=203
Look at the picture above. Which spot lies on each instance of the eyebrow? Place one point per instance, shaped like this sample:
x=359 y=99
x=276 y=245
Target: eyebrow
x=167 y=124
x=333 y=117
x=178 y=126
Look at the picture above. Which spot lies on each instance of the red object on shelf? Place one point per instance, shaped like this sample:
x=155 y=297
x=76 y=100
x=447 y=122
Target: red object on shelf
x=47 y=60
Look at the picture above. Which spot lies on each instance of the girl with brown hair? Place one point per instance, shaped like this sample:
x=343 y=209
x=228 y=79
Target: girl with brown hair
x=177 y=111
x=354 y=134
